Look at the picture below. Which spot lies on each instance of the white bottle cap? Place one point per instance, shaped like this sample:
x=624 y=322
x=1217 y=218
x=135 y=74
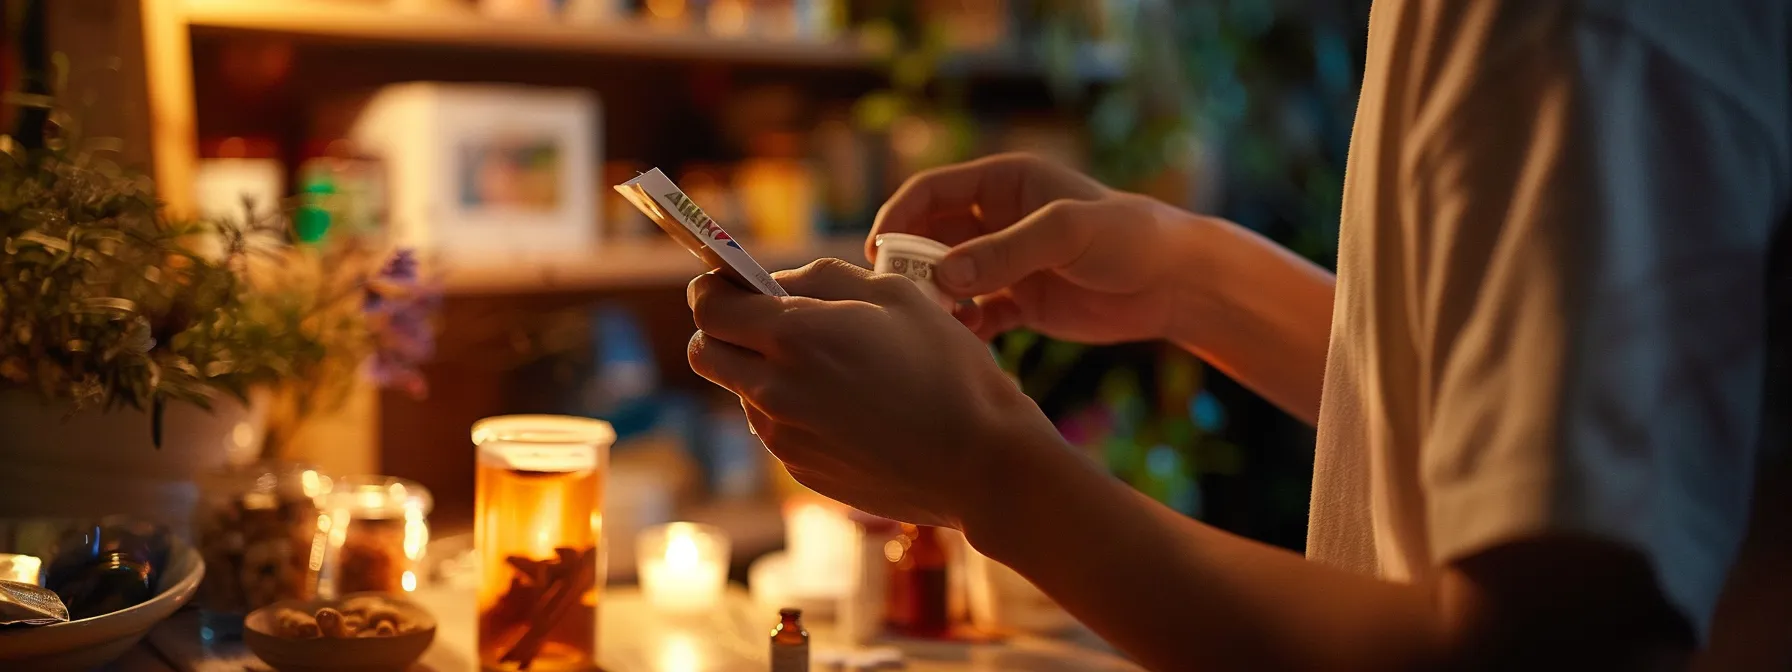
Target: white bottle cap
x=917 y=259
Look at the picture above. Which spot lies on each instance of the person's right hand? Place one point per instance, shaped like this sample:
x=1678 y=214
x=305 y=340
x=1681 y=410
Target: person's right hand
x=1041 y=246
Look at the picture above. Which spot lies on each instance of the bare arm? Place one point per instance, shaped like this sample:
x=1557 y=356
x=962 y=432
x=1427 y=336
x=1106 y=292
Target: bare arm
x=943 y=438
x=1177 y=594
x=1042 y=247
x=1256 y=311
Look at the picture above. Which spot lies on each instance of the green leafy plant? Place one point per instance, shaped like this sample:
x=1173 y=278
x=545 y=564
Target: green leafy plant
x=107 y=302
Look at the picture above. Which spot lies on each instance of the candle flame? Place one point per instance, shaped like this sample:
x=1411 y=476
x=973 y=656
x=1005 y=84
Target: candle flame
x=681 y=552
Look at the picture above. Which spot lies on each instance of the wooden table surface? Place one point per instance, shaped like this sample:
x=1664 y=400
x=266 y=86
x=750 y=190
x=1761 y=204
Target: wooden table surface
x=634 y=638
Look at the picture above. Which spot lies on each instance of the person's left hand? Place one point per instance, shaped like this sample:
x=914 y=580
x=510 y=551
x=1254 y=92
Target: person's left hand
x=867 y=391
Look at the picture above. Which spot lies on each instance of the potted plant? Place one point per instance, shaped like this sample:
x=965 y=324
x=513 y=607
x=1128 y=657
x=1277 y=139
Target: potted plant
x=131 y=342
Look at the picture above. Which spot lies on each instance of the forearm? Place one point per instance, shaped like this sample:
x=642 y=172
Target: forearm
x=1176 y=594
x=1256 y=311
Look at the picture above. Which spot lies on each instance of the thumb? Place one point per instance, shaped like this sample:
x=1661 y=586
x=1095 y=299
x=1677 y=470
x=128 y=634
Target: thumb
x=1050 y=238
x=828 y=280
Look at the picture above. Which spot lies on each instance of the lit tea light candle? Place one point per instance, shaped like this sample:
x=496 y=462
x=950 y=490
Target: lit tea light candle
x=683 y=566
x=21 y=568
x=680 y=652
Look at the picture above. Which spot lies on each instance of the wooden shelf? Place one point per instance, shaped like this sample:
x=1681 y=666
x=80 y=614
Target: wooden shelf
x=371 y=24
x=617 y=266
x=442 y=27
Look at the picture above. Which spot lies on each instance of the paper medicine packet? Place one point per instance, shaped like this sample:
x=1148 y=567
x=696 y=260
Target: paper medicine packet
x=668 y=206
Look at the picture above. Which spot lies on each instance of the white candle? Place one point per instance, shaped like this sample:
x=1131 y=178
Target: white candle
x=683 y=566
x=823 y=546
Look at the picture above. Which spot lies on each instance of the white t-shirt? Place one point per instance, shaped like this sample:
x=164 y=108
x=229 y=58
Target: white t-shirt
x=1551 y=300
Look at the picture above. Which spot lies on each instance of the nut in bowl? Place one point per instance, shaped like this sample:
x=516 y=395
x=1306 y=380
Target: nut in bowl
x=361 y=632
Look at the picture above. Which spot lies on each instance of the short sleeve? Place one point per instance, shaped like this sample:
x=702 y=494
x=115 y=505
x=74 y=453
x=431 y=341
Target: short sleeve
x=1594 y=223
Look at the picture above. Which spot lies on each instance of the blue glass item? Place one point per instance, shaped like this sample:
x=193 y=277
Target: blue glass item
x=1207 y=412
x=626 y=367
x=115 y=581
x=102 y=568
x=736 y=459
x=625 y=387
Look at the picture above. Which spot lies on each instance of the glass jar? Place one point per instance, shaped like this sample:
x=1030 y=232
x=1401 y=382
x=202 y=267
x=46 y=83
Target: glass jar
x=379 y=530
x=538 y=518
x=262 y=536
x=918 y=603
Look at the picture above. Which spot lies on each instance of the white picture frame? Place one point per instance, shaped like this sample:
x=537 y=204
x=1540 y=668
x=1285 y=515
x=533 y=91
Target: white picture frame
x=478 y=171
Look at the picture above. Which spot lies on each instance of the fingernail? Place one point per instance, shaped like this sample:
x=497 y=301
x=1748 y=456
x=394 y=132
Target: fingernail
x=958 y=271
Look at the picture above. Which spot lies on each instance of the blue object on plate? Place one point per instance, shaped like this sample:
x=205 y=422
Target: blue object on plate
x=107 y=566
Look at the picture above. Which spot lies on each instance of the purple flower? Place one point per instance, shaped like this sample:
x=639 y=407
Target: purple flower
x=1086 y=425
x=389 y=375
x=401 y=267
x=400 y=308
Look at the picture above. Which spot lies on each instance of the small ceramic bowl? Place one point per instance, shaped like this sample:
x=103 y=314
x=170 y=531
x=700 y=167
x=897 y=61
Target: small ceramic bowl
x=325 y=654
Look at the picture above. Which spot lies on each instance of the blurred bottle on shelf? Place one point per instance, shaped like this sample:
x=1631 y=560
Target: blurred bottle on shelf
x=669 y=14
x=920 y=141
x=1052 y=137
x=820 y=20
x=533 y=10
x=970 y=26
x=592 y=12
x=626 y=371
x=816 y=20
x=735 y=459
x=728 y=18
x=707 y=185
x=775 y=19
x=844 y=175
x=341 y=189
x=777 y=191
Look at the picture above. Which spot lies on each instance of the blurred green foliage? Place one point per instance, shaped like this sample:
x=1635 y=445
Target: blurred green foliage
x=106 y=301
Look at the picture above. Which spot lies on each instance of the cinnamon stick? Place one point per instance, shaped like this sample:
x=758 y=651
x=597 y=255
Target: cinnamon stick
x=566 y=586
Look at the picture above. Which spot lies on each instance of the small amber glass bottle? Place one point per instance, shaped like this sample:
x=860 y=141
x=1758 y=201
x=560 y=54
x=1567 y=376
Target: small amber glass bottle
x=918 y=603
x=790 y=642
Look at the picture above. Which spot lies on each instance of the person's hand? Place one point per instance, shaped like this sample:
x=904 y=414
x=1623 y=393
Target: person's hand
x=1041 y=246
x=866 y=390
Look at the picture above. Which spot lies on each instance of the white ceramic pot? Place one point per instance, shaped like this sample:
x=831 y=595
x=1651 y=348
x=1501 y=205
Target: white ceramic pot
x=97 y=463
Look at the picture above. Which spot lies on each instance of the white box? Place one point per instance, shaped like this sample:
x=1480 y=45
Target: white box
x=481 y=170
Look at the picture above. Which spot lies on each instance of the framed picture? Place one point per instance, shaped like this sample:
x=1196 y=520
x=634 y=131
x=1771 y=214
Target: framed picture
x=479 y=171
